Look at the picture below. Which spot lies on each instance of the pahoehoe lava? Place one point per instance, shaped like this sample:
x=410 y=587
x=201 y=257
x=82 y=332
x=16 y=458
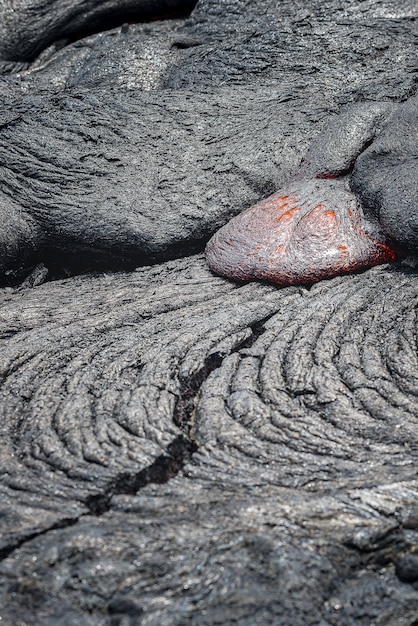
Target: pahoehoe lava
x=300 y=492
x=315 y=226
x=177 y=448
x=135 y=145
x=27 y=27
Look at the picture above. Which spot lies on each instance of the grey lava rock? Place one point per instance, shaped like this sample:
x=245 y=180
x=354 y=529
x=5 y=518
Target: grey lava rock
x=177 y=448
x=407 y=568
x=28 y=26
x=106 y=180
x=385 y=176
x=136 y=145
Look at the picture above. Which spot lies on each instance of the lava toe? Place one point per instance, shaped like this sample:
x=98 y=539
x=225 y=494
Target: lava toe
x=309 y=230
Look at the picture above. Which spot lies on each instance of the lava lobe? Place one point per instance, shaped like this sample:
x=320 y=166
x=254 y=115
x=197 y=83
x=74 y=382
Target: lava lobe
x=307 y=231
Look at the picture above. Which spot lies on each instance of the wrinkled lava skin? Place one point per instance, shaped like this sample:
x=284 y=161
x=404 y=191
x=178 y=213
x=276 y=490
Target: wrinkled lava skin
x=28 y=26
x=307 y=231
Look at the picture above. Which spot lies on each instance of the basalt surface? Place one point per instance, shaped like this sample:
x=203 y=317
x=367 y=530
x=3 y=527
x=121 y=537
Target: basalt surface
x=137 y=144
x=178 y=448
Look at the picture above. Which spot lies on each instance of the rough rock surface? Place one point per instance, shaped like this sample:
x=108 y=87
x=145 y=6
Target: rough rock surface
x=28 y=26
x=177 y=448
x=385 y=176
x=284 y=421
x=113 y=159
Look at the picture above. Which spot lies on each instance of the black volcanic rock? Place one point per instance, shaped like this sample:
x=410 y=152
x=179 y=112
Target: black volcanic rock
x=155 y=185
x=29 y=26
x=137 y=144
x=177 y=448
x=386 y=176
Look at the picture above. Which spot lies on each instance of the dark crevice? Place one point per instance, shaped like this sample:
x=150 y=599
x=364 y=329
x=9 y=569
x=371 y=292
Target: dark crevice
x=165 y=467
x=70 y=259
x=298 y=393
x=182 y=448
x=186 y=402
x=179 y=452
x=183 y=410
x=64 y=523
x=186 y=42
x=257 y=329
